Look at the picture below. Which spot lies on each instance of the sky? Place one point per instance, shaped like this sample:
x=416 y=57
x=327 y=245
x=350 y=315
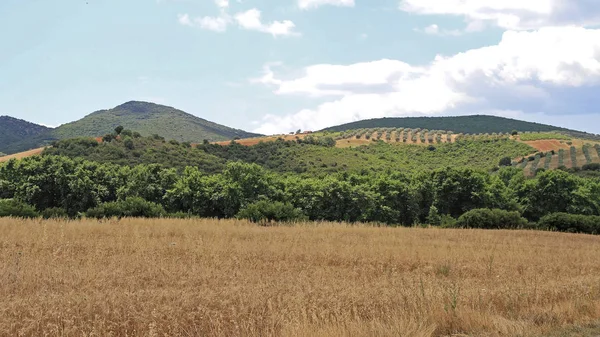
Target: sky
x=278 y=66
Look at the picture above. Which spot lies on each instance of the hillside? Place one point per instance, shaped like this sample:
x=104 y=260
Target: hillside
x=460 y=124
x=14 y=130
x=146 y=118
x=316 y=156
x=149 y=119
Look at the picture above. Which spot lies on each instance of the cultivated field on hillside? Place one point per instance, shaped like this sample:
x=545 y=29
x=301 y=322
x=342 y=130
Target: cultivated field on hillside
x=20 y=155
x=208 y=278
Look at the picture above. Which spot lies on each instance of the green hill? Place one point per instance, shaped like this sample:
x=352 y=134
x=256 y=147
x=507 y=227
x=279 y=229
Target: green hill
x=14 y=130
x=149 y=119
x=461 y=124
x=146 y=118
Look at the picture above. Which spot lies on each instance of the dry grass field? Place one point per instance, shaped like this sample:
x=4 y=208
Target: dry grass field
x=231 y=278
x=21 y=155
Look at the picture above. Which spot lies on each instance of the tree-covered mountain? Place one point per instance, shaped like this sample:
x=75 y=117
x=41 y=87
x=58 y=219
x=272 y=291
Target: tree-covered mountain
x=460 y=124
x=146 y=118
x=15 y=130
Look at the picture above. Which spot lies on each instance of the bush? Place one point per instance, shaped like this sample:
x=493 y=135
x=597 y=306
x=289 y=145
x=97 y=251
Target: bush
x=54 y=213
x=571 y=223
x=434 y=217
x=128 y=142
x=491 y=219
x=591 y=167
x=267 y=211
x=131 y=207
x=14 y=208
x=506 y=161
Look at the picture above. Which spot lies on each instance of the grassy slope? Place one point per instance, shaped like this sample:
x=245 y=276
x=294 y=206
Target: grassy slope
x=148 y=119
x=461 y=124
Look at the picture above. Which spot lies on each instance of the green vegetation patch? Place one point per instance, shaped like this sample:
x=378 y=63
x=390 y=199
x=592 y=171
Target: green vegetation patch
x=543 y=136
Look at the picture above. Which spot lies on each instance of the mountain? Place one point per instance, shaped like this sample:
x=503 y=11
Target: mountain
x=461 y=124
x=13 y=130
x=145 y=118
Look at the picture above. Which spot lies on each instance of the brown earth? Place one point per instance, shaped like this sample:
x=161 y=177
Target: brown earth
x=21 y=155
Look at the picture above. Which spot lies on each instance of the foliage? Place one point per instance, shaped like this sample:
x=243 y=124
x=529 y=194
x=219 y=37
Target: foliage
x=587 y=154
x=131 y=207
x=572 y=223
x=434 y=218
x=591 y=167
x=384 y=183
x=543 y=136
x=505 y=161
x=548 y=160
x=491 y=219
x=266 y=211
x=14 y=208
x=54 y=213
x=134 y=151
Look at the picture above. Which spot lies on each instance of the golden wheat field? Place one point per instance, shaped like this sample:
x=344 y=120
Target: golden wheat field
x=230 y=278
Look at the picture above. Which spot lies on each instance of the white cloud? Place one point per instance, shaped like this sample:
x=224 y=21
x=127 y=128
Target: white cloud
x=552 y=70
x=216 y=24
x=311 y=4
x=222 y=3
x=435 y=30
x=251 y=20
x=512 y=14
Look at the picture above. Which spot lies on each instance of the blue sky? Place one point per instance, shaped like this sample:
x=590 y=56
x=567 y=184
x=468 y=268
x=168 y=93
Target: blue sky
x=276 y=66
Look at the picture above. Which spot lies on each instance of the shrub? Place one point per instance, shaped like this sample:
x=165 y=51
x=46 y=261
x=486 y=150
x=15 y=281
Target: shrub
x=491 y=219
x=591 y=167
x=14 y=208
x=506 y=161
x=571 y=223
x=127 y=133
x=131 y=207
x=267 y=211
x=434 y=217
x=54 y=213
x=128 y=142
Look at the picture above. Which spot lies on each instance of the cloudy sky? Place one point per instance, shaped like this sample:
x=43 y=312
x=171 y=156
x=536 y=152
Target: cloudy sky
x=277 y=66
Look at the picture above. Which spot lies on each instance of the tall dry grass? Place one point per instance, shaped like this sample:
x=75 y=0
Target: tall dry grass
x=230 y=278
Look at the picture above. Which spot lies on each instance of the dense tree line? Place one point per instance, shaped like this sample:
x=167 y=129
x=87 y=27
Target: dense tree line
x=77 y=186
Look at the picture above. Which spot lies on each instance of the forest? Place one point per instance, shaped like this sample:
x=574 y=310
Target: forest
x=52 y=186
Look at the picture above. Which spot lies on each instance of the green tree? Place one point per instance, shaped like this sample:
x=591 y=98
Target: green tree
x=119 y=129
x=506 y=161
x=434 y=218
